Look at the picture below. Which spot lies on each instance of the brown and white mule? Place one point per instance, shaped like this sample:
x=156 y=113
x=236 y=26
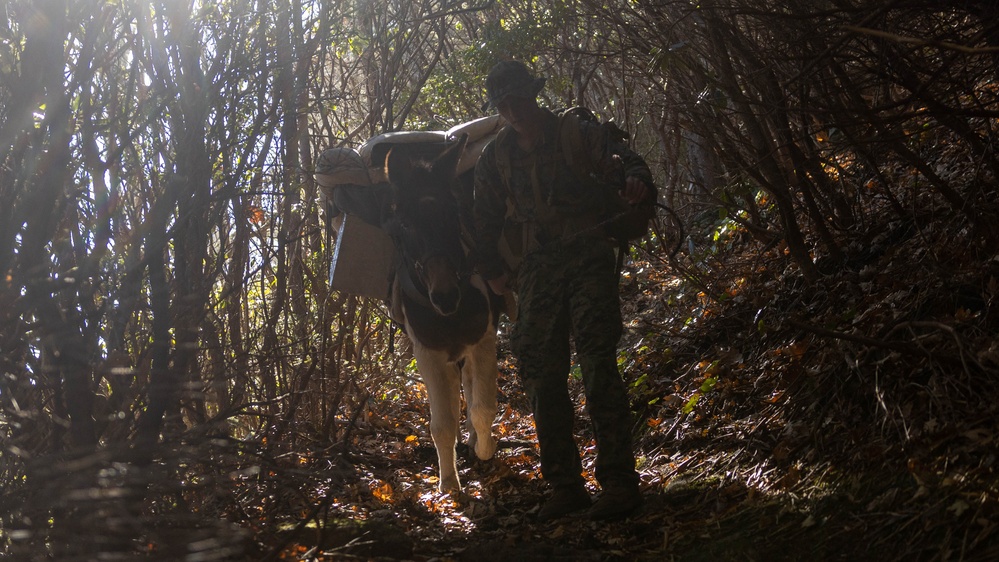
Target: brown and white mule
x=448 y=312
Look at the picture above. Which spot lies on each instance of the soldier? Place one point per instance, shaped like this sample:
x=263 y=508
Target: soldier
x=566 y=281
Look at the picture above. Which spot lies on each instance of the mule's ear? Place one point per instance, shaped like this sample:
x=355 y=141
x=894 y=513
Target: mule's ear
x=447 y=162
x=398 y=165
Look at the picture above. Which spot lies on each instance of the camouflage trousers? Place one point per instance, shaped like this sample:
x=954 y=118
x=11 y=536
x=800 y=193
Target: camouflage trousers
x=571 y=289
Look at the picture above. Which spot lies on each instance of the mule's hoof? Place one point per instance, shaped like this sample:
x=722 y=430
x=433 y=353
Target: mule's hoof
x=449 y=485
x=485 y=448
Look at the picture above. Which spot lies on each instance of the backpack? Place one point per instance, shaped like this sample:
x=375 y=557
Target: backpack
x=623 y=222
x=620 y=221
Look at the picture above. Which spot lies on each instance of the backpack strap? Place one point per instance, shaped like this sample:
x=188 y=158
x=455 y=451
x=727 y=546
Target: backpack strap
x=570 y=138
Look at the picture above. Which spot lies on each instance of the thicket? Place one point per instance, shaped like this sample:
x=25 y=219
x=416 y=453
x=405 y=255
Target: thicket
x=164 y=309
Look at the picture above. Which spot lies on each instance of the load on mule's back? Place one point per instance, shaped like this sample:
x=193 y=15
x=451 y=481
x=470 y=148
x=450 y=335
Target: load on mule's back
x=356 y=195
x=447 y=312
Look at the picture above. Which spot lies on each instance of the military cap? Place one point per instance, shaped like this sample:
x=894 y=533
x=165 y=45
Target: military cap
x=510 y=78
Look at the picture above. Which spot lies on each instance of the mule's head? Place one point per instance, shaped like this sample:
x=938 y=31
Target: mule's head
x=425 y=224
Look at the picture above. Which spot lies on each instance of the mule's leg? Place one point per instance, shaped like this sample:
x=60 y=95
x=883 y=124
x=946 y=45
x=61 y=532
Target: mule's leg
x=443 y=387
x=467 y=384
x=479 y=377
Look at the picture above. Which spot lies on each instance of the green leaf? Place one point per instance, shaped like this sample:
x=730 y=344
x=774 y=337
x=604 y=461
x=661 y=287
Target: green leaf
x=689 y=406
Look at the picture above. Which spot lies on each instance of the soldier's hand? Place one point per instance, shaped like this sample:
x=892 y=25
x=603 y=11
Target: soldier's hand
x=635 y=190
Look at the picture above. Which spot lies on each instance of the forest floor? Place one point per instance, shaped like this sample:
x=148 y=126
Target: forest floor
x=850 y=419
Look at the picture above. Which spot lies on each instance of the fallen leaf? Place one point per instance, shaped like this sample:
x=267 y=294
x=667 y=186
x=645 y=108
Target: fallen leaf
x=959 y=507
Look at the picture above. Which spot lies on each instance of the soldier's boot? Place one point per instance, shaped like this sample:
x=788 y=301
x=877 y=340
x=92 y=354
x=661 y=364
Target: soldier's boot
x=564 y=501
x=617 y=501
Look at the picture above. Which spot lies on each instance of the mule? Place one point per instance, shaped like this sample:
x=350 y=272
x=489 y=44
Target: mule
x=447 y=311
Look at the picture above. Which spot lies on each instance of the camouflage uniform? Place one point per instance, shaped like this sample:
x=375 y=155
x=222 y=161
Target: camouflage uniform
x=567 y=284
